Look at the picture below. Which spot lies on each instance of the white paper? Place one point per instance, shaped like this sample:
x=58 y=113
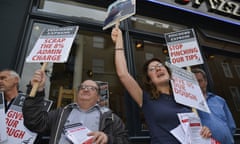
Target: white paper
x=179 y=133
x=186 y=89
x=53 y=45
x=188 y=132
x=78 y=135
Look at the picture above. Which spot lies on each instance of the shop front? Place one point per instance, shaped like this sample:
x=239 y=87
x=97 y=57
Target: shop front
x=216 y=24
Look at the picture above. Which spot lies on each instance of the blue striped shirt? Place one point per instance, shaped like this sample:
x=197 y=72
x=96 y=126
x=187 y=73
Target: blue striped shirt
x=220 y=120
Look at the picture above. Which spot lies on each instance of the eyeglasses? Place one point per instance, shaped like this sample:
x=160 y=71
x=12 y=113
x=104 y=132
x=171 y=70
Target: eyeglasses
x=157 y=66
x=88 y=88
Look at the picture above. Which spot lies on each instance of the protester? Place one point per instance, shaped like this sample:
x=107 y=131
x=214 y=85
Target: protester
x=9 y=81
x=156 y=99
x=9 y=85
x=106 y=127
x=220 y=120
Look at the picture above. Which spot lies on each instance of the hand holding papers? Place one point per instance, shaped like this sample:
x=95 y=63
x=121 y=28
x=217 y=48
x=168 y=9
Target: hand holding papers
x=78 y=134
x=188 y=132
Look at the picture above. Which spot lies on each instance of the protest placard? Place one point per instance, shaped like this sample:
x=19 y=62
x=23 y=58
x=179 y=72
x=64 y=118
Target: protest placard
x=183 y=48
x=118 y=11
x=3 y=134
x=17 y=133
x=53 y=45
x=186 y=89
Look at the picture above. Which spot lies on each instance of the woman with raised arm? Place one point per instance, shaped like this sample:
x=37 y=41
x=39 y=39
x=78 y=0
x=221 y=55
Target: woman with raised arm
x=155 y=99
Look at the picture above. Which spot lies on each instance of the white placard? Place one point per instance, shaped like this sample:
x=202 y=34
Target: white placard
x=53 y=45
x=186 y=89
x=188 y=132
x=183 y=48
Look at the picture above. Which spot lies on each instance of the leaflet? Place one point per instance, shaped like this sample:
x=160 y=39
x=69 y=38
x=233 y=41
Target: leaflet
x=78 y=135
x=188 y=132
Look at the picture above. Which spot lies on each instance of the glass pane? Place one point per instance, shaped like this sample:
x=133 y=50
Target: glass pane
x=154 y=25
x=144 y=50
x=225 y=79
x=73 y=9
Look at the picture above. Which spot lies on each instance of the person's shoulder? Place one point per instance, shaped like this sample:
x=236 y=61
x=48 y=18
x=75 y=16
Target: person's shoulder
x=215 y=96
x=108 y=112
x=104 y=109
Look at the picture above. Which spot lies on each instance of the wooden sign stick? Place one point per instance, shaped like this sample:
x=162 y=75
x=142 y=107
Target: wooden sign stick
x=35 y=85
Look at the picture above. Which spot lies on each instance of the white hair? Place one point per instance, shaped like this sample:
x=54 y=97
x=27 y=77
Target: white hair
x=14 y=74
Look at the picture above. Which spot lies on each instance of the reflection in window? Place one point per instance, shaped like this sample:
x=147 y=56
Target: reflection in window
x=73 y=9
x=237 y=68
x=98 y=42
x=227 y=71
x=98 y=65
x=236 y=96
x=154 y=25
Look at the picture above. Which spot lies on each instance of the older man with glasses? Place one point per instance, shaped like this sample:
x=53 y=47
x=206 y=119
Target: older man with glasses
x=105 y=127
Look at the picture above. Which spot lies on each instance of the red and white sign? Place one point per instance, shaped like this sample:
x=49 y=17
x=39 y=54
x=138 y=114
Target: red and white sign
x=53 y=45
x=3 y=134
x=183 y=48
x=16 y=132
x=188 y=132
x=79 y=135
x=186 y=89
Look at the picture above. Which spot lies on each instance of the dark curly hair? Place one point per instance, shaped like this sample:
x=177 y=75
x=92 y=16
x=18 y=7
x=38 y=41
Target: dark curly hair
x=147 y=84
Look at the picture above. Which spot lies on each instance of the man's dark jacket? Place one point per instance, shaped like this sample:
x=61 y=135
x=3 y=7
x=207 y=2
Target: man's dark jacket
x=51 y=123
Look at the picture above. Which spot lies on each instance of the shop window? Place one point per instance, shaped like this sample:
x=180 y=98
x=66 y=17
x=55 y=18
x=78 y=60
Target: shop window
x=224 y=81
x=150 y=50
x=227 y=71
x=73 y=9
x=237 y=68
x=235 y=96
x=98 y=65
x=154 y=25
x=98 y=42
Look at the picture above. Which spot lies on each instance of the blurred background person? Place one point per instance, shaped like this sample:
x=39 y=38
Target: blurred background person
x=220 y=120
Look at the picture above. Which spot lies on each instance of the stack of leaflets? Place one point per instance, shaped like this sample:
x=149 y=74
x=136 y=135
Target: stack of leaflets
x=78 y=134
